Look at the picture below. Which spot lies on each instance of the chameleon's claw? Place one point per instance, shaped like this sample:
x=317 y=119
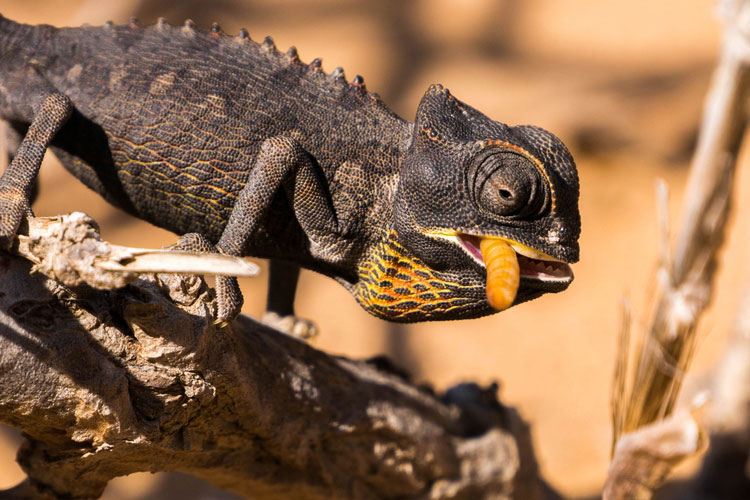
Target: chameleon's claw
x=299 y=328
x=228 y=299
x=220 y=324
x=228 y=294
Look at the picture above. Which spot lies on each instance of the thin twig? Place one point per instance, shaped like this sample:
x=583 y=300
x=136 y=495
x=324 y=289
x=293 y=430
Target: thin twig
x=68 y=247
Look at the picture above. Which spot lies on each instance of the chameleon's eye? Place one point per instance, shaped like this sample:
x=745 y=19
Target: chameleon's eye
x=508 y=184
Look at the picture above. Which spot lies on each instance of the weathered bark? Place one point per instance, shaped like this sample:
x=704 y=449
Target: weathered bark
x=724 y=471
x=644 y=458
x=108 y=382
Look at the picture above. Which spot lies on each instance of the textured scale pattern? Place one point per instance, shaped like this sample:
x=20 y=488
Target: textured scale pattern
x=395 y=285
x=183 y=130
x=254 y=152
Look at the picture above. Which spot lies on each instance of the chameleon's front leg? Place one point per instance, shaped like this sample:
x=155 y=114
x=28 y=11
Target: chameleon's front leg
x=17 y=183
x=281 y=163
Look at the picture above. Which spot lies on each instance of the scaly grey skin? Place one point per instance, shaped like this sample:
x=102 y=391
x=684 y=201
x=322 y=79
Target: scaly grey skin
x=263 y=155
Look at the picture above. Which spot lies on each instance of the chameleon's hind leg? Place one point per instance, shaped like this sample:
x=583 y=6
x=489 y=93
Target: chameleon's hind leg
x=281 y=163
x=282 y=285
x=17 y=183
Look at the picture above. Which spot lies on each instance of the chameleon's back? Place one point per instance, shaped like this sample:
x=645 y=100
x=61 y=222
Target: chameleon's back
x=177 y=116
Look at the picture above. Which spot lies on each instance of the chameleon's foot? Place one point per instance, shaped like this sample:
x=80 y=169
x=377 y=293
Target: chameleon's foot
x=300 y=328
x=13 y=207
x=228 y=294
x=228 y=299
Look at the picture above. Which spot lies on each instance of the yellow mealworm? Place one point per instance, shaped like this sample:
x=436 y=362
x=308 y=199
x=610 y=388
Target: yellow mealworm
x=503 y=274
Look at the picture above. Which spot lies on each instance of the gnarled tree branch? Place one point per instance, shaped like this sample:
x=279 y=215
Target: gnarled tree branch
x=108 y=382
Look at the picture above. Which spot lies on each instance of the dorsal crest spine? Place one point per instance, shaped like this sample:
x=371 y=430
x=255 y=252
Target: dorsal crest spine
x=292 y=54
x=336 y=77
x=189 y=27
x=269 y=44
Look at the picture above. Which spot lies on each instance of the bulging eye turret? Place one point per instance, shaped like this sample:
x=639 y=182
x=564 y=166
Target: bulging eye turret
x=507 y=184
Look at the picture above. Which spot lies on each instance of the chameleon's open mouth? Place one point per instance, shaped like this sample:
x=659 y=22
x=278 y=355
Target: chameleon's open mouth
x=532 y=264
x=515 y=272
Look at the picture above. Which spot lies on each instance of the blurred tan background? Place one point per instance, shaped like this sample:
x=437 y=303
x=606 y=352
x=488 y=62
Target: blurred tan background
x=621 y=82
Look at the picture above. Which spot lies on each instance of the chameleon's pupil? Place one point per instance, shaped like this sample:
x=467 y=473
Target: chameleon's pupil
x=507 y=184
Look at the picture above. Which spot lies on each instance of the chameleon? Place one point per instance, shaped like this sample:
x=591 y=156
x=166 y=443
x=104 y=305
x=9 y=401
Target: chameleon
x=246 y=150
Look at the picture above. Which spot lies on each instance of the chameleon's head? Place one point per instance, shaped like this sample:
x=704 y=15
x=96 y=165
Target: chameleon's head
x=467 y=179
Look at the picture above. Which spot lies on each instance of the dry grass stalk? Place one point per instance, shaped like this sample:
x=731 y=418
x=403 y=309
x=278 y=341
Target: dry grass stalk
x=619 y=380
x=686 y=283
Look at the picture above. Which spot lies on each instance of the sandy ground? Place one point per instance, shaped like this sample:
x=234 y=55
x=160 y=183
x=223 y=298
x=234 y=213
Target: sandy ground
x=621 y=82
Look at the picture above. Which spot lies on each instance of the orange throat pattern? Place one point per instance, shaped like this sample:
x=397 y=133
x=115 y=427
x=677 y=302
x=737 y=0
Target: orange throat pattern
x=395 y=285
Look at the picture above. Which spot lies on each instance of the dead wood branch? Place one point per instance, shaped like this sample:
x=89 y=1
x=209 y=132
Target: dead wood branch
x=686 y=280
x=106 y=383
x=724 y=471
x=687 y=286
